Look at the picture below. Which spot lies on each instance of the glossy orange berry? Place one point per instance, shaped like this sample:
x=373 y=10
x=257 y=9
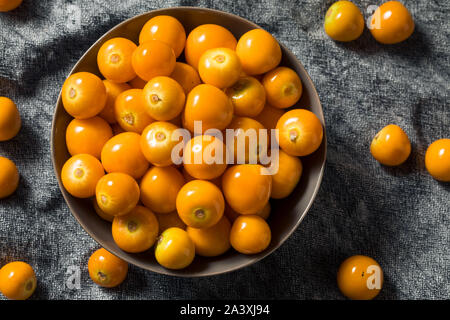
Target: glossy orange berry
x=215 y=115
x=137 y=83
x=256 y=182
x=360 y=278
x=114 y=60
x=283 y=87
x=344 y=21
x=437 y=160
x=136 y=231
x=10 y=121
x=174 y=249
x=80 y=175
x=17 y=280
x=391 y=146
x=107 y=270
x=9 y=177
x=205 y=37
x=286 y=178
x=258 y=51
x=269 y=117
x=187 y=177
x=250 y=234
x=83 y=95
x=87 y=136
x=166 y=29
x=163 y=98
x=8 y=5
x=130 y=111
x=112 y=90
x=300 y=132
x=219 y=67
x=122 y=153
x=153 y=58
x=212 y=241
x=186 y=75
x=105 y=216
x=159 y=188
x=248 y=96
x=169 y=220
x=117 y=194
x=391 y=23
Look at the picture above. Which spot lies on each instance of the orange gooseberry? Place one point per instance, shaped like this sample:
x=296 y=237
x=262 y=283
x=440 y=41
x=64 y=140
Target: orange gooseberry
x=255 y=180
x=9 y=177
x=137 y=83
x=344 y=21
x=233 y=215
x=258 y=51
x=300 y=132
x=87 y=136
x=219 y=67
x=187 y=177
x=283 y=87
x=169 y=220
x=391 y=23
x=163 y=98
x=186 y=76
x=8 y=5
x=286 y=178
x=130 y=111
x=248 y=96
x=122 y=153
x=204 y=37
x=360 y=278
x=269 y=117
x=112 y=90
x=80 y=175
x=159 y=188
x=212 y=241
x=83 y=95
x=17 y=280
x=153 y=58
x=10 y=121
x=437 y=160
x=250 y=234
x=135 y=231
x=107 y=270
x=166 y=29
x=215 y=115
x=174 y=249
x=391 y=146
x=105 y=216
x=117 y=194
x=114 y=60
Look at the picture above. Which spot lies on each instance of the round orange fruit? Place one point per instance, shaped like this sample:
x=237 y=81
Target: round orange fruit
x=174 y=249
x=391 y=146
x=114 y=60
x=219 y=67
x=9 y=177
x=153 y=58
x=10 y=121
x=437 y=160
x=248 y=96
x=212 y=241
x=344 y=21
x=107 y=270
x=250 y=234
x=283 y=87
x=17 y=280
x=112 y=90
x=130 y=111
x=186 y=75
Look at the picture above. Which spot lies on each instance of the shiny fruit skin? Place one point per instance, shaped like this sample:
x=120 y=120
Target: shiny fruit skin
x=258 y=51
x=287 y=177
x=344 y=21
x=186 y=75
x=175 y=249
x=130 y=111
x=153 y=58
x=353 y=276
x=163 y=98
x=136 y=231
x=205 y=37
x=83 y=95
x=200 y=204
x=112 y=90
x=137 y=83
x=9 y=177
x=166 y=29
x=283 y=87
x=101 y=213
x=269 y=117
x=157 y=143
x=122 y=153
x=8 y=5
x=10 y=121
x=17 y=280
x=107 y=270
x=391 y=146
x=395 y=23
x=187 y=177
x=219 y=67
x=169 y=220
x=87 y=136
x=212 y=241
x=300 y=132
x=114 y=60
x=250 y=234
x=217 y=115
x=117 y=194
x=80 y=175
x=200 y=161
x=437 y=160
x=159 y=188
x=247 y=96
x=257 y=186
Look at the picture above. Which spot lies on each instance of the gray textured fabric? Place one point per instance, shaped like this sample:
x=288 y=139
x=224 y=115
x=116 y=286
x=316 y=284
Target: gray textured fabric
x=399 y=216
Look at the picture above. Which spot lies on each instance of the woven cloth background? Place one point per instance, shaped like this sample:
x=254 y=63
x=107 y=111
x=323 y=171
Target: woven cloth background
x=399 y=216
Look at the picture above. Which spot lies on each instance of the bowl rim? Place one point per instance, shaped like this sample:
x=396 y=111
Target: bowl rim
x=119 y=253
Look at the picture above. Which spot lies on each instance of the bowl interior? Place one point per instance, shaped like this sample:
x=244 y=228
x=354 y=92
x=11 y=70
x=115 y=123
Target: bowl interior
x=286 y=214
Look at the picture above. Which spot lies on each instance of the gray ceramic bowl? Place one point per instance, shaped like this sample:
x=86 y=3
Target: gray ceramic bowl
x=286 y=214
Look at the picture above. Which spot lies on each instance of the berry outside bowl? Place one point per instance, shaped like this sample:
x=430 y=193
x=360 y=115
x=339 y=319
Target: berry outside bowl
x=286 y=214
